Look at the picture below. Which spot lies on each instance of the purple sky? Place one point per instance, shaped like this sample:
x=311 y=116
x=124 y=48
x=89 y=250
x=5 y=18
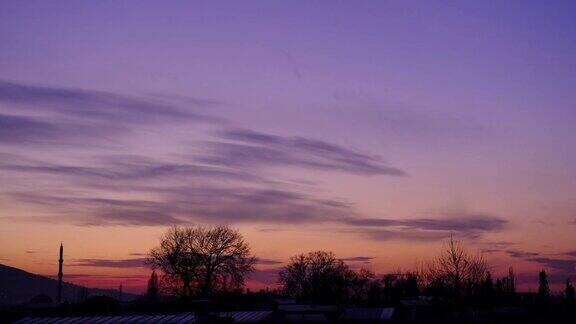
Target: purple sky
x=388 y=123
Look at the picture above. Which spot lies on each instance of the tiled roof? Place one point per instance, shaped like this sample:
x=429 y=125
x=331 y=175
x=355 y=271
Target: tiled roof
x=368 y=313
x=161 y=319
x=247 y=317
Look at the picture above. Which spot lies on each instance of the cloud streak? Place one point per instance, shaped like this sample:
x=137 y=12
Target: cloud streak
x=187 y=204
x=562 y=265
x=521 y=254
x=361 y=259
x=223 y=182
x=264 y=261
x=56 y=116
x=95 y=105
x=128 y=168
x=248 y=148
x=178 y=205
x=401 y=235
x=427 y=229
x=105 y=263
x=265 y=276
x=463 y=223
x=19 y=129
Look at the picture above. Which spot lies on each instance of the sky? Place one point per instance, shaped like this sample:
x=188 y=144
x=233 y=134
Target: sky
x=373 y=129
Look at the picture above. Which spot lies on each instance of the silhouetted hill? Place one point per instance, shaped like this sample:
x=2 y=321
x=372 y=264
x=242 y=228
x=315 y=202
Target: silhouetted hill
x=18 y=286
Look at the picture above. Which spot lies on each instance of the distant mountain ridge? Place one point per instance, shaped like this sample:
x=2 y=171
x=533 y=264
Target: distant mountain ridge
x=18 y=286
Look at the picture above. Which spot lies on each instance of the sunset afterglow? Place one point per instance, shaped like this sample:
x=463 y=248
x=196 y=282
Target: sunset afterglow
x=372 y=129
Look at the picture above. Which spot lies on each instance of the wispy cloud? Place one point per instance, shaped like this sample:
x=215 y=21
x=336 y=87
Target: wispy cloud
x=264 y=261
x=400 y=121
x=490 y=250
x=400 y=235
x=176 y=205
x=221 y=182
x=139 y=262
x=463 y=223
x=361 y=259
x=425 y=229
x=55 y=116
x=563 y=265
x=560 y=266
x=76 y=276
x=105 y=263
x=180 y=205
x=266 y=276
x=521 y=254
x=127 y=168
x=248 y=148
x=94 y=105
x=22 y=130
x=495 y=246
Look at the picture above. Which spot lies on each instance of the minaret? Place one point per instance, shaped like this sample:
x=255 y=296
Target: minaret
x=60 y=274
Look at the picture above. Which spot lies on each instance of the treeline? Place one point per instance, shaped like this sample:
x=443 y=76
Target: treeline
x=204 y=261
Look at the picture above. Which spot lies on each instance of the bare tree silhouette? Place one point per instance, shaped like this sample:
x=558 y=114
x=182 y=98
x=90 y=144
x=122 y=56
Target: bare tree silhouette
x=456 y=270
x=175 y=260
x=203 y=259
x=362 y=283
x=316 y=276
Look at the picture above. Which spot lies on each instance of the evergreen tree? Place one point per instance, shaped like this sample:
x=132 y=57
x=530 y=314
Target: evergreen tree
x=488 y=285
x=152 y=291
x=511 y=289
x=412 y=290
x=569 y=292
x=486 y=295
x=499 y=287
x=543 y=288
